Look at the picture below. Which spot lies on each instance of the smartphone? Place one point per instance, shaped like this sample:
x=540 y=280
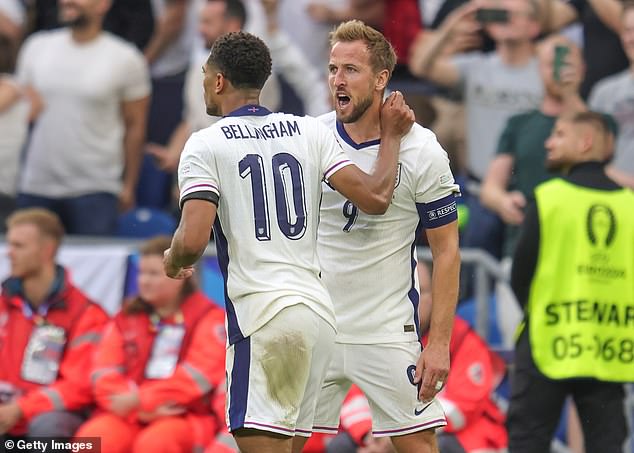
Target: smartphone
x=492 y=15
x=560 y=56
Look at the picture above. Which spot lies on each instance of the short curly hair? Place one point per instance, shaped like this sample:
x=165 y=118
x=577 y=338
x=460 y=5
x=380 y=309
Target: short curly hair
x=243 y=58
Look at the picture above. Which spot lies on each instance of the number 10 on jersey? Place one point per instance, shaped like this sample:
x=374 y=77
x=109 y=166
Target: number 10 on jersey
x=290 y=200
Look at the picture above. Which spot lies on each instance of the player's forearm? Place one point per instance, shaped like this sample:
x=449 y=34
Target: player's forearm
x=185 y=250
x=384 y=172
x=446 y=269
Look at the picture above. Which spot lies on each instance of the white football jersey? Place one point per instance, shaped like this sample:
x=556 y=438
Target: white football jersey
x=368 y=262
x=265 y=171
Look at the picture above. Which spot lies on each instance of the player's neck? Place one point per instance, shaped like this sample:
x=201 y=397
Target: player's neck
x=366 y=128
x=239 y=98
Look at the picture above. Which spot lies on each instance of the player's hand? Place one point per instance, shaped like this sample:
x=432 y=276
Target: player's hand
x=173 y=271
x=511 y=208
x=432 y=370
x=396 y=116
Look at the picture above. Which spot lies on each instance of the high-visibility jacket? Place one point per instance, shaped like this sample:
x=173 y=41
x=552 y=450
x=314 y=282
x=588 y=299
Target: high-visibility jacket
x=472 y=415
x=82 y=321
x=581 y=302
x=122 y=357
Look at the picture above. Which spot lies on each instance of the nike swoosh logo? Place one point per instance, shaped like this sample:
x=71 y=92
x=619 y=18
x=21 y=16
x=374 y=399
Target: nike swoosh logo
x=418 y=412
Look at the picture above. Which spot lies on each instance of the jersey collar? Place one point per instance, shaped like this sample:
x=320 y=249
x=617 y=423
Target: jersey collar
x=346 y=138
x=250 y=110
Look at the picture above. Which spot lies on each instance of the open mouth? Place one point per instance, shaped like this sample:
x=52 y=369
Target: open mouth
x=342 y=100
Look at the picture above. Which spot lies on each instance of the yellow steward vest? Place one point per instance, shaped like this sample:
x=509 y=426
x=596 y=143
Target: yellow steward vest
x=581 y=301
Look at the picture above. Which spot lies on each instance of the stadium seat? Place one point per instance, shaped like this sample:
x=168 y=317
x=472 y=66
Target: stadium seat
x=143 y=223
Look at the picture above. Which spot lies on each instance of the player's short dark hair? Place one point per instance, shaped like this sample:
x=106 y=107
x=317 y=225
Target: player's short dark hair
x=382 y=55
x=627 y=6
x=242 y=58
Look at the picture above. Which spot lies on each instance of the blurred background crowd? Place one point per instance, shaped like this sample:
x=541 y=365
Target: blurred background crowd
x=98 y=97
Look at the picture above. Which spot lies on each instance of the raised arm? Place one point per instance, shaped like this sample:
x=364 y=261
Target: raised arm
x=430 y=56
x=372 y=193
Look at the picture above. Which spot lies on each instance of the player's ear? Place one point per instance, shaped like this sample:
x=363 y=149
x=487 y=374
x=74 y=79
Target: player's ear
x=220 y=82
x=381 y=79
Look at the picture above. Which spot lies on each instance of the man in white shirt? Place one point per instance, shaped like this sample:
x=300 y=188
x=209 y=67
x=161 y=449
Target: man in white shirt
x=85 y=151
x=369 y=262
x=256 y=176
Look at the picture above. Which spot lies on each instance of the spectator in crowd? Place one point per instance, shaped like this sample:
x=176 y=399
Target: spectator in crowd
x=48 y=332
x=572 y=273
x=86 y=146
x=218 y=17
x=168 y=54
x=14 y=121
x=131 y=20
x=496 y=86
x=157 y=370
x=475 y=422
x=615 y=95
x=310 y=35
x=520 y=163
x=601 y=25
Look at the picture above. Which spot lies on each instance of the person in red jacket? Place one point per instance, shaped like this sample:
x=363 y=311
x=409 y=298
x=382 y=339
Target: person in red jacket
x=475 y=423
x=157 y=368
x=48 y=331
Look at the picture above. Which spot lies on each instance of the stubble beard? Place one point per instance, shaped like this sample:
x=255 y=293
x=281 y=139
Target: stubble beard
x=357 y=111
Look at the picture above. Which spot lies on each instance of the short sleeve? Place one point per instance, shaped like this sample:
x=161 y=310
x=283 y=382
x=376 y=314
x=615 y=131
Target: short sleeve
x=508 y=137
x=26 y=58
x=197 y=171
x=332 y=156
x=435 y=180
x=136 y=82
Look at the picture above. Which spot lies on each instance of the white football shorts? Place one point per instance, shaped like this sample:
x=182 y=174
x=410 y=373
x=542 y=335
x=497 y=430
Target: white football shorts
x=274 y=376
x=385 y=374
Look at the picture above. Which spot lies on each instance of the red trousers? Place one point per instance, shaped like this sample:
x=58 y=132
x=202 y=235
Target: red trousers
x=165 y=435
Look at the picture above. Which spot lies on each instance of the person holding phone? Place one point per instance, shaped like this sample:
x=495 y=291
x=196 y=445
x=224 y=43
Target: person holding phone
x=519 y=163
x=495 y=85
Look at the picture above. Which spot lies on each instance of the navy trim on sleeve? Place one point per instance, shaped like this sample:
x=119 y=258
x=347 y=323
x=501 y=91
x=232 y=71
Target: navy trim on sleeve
x=438 y=213
x=207 y=195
